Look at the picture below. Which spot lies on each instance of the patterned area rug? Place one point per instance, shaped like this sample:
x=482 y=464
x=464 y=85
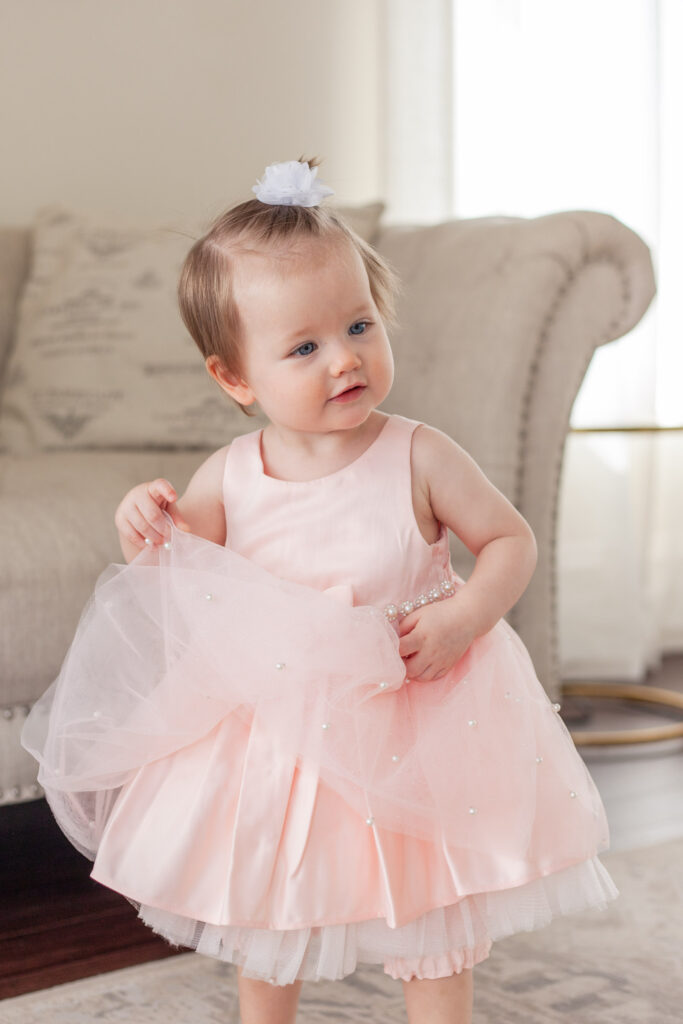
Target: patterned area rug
x=623 y=965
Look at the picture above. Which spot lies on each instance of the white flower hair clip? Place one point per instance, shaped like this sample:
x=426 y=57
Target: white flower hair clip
x=291 y=183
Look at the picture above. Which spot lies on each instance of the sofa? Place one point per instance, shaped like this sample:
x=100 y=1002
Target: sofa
x=499 y=318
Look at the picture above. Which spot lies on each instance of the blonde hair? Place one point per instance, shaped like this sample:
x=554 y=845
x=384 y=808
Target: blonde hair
x=205 y=289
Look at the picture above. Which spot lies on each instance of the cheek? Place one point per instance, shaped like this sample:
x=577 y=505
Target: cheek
x=303 y=384
x=386 y=357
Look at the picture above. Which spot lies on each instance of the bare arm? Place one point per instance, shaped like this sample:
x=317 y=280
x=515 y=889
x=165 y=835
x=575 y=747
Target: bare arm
x=200 y=510
x=435 y=636
x=462 y=497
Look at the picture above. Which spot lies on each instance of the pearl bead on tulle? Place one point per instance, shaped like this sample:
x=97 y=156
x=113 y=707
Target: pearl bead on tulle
x=392 y=612
x=444 y=589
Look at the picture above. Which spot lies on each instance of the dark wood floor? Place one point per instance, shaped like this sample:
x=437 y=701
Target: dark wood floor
x=56 y=923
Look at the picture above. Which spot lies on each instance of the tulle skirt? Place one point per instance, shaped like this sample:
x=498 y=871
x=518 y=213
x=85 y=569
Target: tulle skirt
x=441 y=942
x=199 y=688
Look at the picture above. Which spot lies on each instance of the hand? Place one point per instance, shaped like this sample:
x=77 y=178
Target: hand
x=433 y=638
x=139 y=518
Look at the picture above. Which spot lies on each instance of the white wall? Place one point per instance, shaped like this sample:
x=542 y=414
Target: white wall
x=161 y=110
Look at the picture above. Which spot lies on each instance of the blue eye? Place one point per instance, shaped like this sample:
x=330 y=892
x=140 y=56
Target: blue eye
x=361 y=323
x=304 y=346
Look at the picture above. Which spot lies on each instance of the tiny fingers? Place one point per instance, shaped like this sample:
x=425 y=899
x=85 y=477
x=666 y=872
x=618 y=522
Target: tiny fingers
x=126 y=528
x=419 y=676
x=408 y=644
x=139 y=521
x=128 y=531
x=425 y=673
x=177 y=518
x=154 y=517
x=411 y=663
x=162 y=489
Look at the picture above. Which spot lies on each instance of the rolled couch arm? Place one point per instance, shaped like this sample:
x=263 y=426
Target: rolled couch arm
x=500 y=317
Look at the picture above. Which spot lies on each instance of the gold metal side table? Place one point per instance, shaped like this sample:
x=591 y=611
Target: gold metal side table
x=633 y=693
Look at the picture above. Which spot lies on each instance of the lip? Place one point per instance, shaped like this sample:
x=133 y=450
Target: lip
x=349 y=393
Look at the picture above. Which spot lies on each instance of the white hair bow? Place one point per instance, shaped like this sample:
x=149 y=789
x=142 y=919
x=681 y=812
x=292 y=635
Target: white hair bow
x=291 y=183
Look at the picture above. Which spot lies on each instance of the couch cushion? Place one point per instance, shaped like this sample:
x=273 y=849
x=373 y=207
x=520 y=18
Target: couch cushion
x=102 y=358
x=15 y=247
x=57 y=535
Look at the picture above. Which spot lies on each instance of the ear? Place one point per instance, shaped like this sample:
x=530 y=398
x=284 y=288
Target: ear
x=229 y=382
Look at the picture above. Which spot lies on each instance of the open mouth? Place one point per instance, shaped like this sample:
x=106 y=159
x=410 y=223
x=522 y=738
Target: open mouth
x=350 y=392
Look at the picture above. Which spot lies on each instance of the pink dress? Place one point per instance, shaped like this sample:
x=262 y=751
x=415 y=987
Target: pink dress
x=233 y=740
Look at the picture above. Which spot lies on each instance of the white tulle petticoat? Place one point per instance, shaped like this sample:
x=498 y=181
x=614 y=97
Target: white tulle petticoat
x=441 y=942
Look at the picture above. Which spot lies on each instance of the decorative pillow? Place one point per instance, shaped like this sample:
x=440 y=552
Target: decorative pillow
x=102 y=358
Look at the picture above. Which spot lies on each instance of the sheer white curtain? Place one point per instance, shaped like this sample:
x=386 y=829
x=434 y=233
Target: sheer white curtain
x=524 y=107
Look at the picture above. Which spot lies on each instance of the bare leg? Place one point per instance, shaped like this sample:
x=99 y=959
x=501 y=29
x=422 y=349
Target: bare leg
x=440 y=1000
x=263 y=1003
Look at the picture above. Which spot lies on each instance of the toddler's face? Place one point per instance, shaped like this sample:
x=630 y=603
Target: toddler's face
x=311 y=329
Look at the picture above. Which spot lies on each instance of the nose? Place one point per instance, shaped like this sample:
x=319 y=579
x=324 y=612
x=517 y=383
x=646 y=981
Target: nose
x=343 y=359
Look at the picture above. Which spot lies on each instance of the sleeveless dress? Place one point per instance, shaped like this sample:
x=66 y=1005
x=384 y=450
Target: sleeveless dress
x=235 y=743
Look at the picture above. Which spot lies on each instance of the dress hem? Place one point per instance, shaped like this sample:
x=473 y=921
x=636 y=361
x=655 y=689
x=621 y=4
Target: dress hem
x=379 y=916
x=437 y=944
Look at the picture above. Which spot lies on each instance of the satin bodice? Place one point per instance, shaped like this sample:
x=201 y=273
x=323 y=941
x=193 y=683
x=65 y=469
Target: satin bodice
x=354 y=528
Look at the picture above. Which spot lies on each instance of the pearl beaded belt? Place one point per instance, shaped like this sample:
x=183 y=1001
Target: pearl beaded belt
x=444 y=589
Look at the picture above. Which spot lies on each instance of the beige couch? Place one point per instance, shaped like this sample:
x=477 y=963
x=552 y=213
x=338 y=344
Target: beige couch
x=499 y=319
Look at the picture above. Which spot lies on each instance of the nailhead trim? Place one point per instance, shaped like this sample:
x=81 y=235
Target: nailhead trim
x=612 y=330
x=14 y=792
